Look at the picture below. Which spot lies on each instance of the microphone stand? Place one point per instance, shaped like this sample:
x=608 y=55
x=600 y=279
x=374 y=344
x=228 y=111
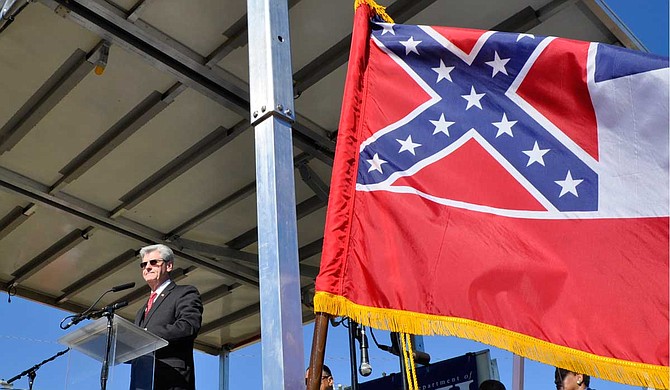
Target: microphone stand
x=353 y=328
x=32 y=371
x=109 y=313
x=403 y=367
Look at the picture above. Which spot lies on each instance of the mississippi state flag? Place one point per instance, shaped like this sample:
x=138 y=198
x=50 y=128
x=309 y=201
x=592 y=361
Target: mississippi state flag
x=507 y=188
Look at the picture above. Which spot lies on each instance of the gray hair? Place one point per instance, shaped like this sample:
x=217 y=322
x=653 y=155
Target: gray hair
x=166 y=253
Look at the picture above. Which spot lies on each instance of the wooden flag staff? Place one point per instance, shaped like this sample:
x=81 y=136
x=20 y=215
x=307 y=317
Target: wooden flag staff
x=318 y=350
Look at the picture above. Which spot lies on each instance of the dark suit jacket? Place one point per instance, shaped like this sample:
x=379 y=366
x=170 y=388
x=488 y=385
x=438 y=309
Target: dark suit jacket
x=176 y=316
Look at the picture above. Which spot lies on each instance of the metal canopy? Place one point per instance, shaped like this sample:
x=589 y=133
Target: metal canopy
x=158 y=148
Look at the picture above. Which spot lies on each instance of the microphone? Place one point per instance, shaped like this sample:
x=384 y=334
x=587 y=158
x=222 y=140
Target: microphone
x=86 y=314
x=365 y=369
x=123 y=287
x=107 y=309
x=75 y=320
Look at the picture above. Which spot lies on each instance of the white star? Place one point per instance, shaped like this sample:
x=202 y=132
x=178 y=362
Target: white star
x=521 y=36
x=376 y=163
x=568 y=185
x=535 y=155
x=410 y=45
x=473 y=98
x=387 y=28
x=441 y=125
x=407 y=145
x=504 y=126
x=498 y=64
x=443 y=72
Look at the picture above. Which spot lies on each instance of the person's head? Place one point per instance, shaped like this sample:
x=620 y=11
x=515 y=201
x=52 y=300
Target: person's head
x=156 y=262
x=326 y=378
x=569 y=380
x=491 y=384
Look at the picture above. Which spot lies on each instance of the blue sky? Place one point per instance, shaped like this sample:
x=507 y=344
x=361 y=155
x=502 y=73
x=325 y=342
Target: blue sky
x=29 y=331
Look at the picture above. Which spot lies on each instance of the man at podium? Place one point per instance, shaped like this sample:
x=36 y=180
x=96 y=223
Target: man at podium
x=173 y=312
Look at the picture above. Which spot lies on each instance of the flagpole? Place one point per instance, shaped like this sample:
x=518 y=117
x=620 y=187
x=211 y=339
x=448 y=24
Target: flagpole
x=318 y=350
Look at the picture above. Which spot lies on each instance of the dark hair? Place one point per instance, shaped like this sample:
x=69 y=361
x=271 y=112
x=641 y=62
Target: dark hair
x=491 y=384
x=562 y=372
x=325 y=369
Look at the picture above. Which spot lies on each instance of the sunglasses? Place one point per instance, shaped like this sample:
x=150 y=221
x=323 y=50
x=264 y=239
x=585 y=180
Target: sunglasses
x=153 y=263
x=322 y=378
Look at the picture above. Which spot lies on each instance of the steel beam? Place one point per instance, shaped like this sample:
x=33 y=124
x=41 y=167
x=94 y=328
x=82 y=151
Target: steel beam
x=217 y=251
x=620 y=32
x=119 y=132
x=188 y=67
x=273 y=111
x=45 y=258
x=68 y=75
x=250 y=236
x=28 y=188
x=237 y=37
x=182 y=163
x=224 y=204
x=40 y=297
x=218 y=292
x=311 y=249
x=14 y=219
x=170 y=56
x=338 y=54
x=136 y=12
x=10 y=10
x=224 y=369
x=220 y=206
x=100 y=273
x=521 y=21
x=314 y=182
x=239 y=315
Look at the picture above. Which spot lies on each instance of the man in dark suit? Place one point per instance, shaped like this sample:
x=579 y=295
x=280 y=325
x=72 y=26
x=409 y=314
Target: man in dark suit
x=172 y=312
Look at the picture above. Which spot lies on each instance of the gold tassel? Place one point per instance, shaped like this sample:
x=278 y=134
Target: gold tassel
x=407 y=356
x=376 y=9
x=632 y=373
x=412 y=364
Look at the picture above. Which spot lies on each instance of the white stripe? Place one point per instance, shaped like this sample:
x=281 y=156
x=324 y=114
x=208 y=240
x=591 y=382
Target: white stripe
x=633 y=136
x=465 y=57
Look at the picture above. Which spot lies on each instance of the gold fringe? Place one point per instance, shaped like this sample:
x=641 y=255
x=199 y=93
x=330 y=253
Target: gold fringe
x=622 y=371
x=376 y=9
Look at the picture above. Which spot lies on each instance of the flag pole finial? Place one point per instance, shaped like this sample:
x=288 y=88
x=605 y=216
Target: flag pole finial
x=377 y=9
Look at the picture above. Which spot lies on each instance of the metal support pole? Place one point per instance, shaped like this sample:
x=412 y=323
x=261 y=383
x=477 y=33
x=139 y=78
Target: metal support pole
x=403 y=367
x=271 y=96
x=517 y=372
x=224 y=369
x=417 y=343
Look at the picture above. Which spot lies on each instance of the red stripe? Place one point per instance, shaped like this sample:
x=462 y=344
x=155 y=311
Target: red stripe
x=595 y=285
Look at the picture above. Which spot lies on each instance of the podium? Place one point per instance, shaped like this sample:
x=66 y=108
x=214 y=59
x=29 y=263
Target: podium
x=123 y=340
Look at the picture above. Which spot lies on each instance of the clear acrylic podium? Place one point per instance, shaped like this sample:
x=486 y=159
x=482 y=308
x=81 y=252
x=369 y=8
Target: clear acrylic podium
x=127 y=342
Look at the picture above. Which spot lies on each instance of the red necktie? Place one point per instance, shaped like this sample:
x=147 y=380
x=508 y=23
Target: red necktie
x=150 y=302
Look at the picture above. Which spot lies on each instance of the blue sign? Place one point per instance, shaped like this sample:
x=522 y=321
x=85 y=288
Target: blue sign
x=459 y=373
